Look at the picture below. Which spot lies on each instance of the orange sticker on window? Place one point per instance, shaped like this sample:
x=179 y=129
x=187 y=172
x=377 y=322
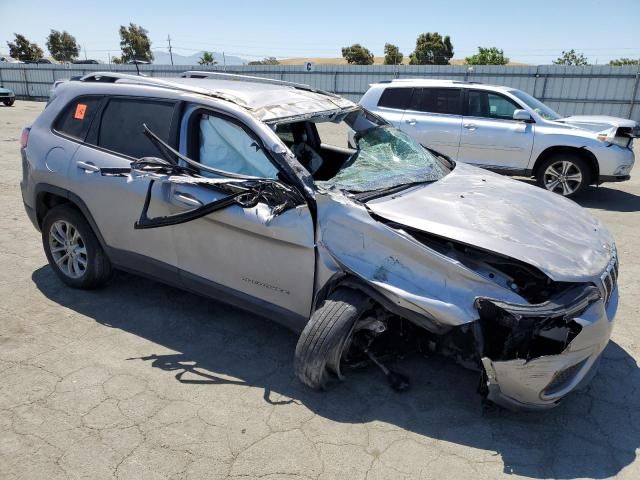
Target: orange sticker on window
x=81 y=109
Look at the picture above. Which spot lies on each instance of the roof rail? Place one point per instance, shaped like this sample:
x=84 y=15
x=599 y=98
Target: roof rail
x=113 y=77
x=253 y=79
x=400 y=80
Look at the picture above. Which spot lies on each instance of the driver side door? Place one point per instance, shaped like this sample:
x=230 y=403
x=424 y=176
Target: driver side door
x=246 y=256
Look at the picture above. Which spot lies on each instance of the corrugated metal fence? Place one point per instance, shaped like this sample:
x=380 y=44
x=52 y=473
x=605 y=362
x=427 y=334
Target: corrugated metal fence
x=601 y=90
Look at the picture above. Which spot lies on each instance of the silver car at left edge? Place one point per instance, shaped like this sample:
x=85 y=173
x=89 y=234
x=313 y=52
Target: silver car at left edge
x=227 y=186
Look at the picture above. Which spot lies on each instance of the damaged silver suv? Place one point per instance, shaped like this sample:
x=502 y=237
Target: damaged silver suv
x=230 y=187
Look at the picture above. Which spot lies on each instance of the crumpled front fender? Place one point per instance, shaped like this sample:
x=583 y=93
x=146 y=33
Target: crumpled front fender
x=406 y=272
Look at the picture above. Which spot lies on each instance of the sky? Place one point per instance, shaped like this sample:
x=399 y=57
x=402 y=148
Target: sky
x=533 y=31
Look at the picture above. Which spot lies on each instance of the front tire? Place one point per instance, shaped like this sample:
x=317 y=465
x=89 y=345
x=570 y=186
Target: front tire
x=327 y=336
x=73 y=250
x=9 y=103
x=566 y=174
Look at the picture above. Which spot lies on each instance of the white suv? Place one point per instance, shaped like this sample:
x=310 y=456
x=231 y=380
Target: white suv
x=508 y=131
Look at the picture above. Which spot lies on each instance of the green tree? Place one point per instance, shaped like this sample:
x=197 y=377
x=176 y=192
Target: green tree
x=62 y=46
x=571 y=58
x=22 y=49
x=207 y=59
x=266 y=61
x=392 y=54
x=487 y=56
x=135 y=43
x=432 y=49
x=356 y=54
x=619 y=62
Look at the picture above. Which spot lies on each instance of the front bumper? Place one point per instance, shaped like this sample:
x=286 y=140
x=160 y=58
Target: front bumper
x=614 y=163
x=613 y=178
x=542 y=382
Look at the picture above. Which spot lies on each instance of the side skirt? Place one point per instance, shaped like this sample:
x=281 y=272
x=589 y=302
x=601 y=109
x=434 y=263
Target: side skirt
x=159 y=271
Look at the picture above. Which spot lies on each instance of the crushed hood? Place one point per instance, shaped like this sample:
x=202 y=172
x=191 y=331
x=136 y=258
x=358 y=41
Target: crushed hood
x=509 y=217
x=598 y=123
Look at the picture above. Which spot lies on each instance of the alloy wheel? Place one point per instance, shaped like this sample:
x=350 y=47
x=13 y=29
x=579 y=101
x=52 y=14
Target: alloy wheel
x=563 y=177
x=68 y=249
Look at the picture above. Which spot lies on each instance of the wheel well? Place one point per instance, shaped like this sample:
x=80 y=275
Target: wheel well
x=46 y=201
x=585 y=154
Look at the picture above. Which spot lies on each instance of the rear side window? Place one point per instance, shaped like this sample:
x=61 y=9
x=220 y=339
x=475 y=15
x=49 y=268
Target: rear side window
x=121 y=128
x=436 y=100
x=76 y=117
x=395 y=98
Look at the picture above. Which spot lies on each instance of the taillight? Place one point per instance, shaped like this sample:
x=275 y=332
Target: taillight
x=24 y=138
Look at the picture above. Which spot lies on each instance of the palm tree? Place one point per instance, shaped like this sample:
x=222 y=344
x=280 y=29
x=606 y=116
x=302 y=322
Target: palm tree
x=207 y=59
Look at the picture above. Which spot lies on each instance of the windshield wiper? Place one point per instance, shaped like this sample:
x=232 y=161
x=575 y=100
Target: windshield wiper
x=373 y=194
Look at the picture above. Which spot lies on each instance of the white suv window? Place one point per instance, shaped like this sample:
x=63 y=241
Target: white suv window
x=226 y=146
x=490 y=105
x=436 y=100
x=395 y=97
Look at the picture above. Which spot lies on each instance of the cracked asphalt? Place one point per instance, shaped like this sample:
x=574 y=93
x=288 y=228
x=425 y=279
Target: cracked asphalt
x=142 y=381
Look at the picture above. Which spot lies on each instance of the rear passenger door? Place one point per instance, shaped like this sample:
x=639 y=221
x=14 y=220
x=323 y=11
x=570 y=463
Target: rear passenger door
x=491 y=137
x=115 y=139
x=434 y=118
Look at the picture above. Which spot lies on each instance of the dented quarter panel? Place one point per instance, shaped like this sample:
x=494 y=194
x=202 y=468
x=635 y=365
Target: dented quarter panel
x=512 y=218
x=519 y=383
x=403 y=270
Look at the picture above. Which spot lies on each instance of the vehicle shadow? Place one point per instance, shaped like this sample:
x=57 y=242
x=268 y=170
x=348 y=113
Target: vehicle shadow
x=594 y=434
x=603 y=198
x=611 y=199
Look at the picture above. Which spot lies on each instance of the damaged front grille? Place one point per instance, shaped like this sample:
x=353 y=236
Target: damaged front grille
x=609 y=279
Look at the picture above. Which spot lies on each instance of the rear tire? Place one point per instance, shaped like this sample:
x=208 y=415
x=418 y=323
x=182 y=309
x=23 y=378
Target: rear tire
x=326 y=337
x=73 y=250
x=567 y=174
x=9 y=103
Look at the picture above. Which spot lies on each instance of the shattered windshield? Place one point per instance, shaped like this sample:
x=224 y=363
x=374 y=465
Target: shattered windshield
x=385 y=158
x=537 y=106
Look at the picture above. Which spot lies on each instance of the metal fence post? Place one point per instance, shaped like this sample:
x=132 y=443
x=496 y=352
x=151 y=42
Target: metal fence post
x=544 y=87
x=634 y=91
x=26 y=82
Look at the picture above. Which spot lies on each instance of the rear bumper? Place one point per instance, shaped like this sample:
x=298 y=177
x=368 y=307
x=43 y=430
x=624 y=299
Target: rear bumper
x=540 y=383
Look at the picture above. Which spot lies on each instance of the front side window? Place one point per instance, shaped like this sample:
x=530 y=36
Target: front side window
x=436 y=100
x=226 y=146
x=490 y=105
x=121 y=127
x=76 y=118
x=397 y=98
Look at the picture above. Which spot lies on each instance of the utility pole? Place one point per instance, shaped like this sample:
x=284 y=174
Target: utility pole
x=224 y=63
x=170 y=52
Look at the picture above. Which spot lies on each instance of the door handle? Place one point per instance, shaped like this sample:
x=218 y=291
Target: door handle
x=470 y=126
x=411 y=121
x=187 y=199
x=88 y=167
